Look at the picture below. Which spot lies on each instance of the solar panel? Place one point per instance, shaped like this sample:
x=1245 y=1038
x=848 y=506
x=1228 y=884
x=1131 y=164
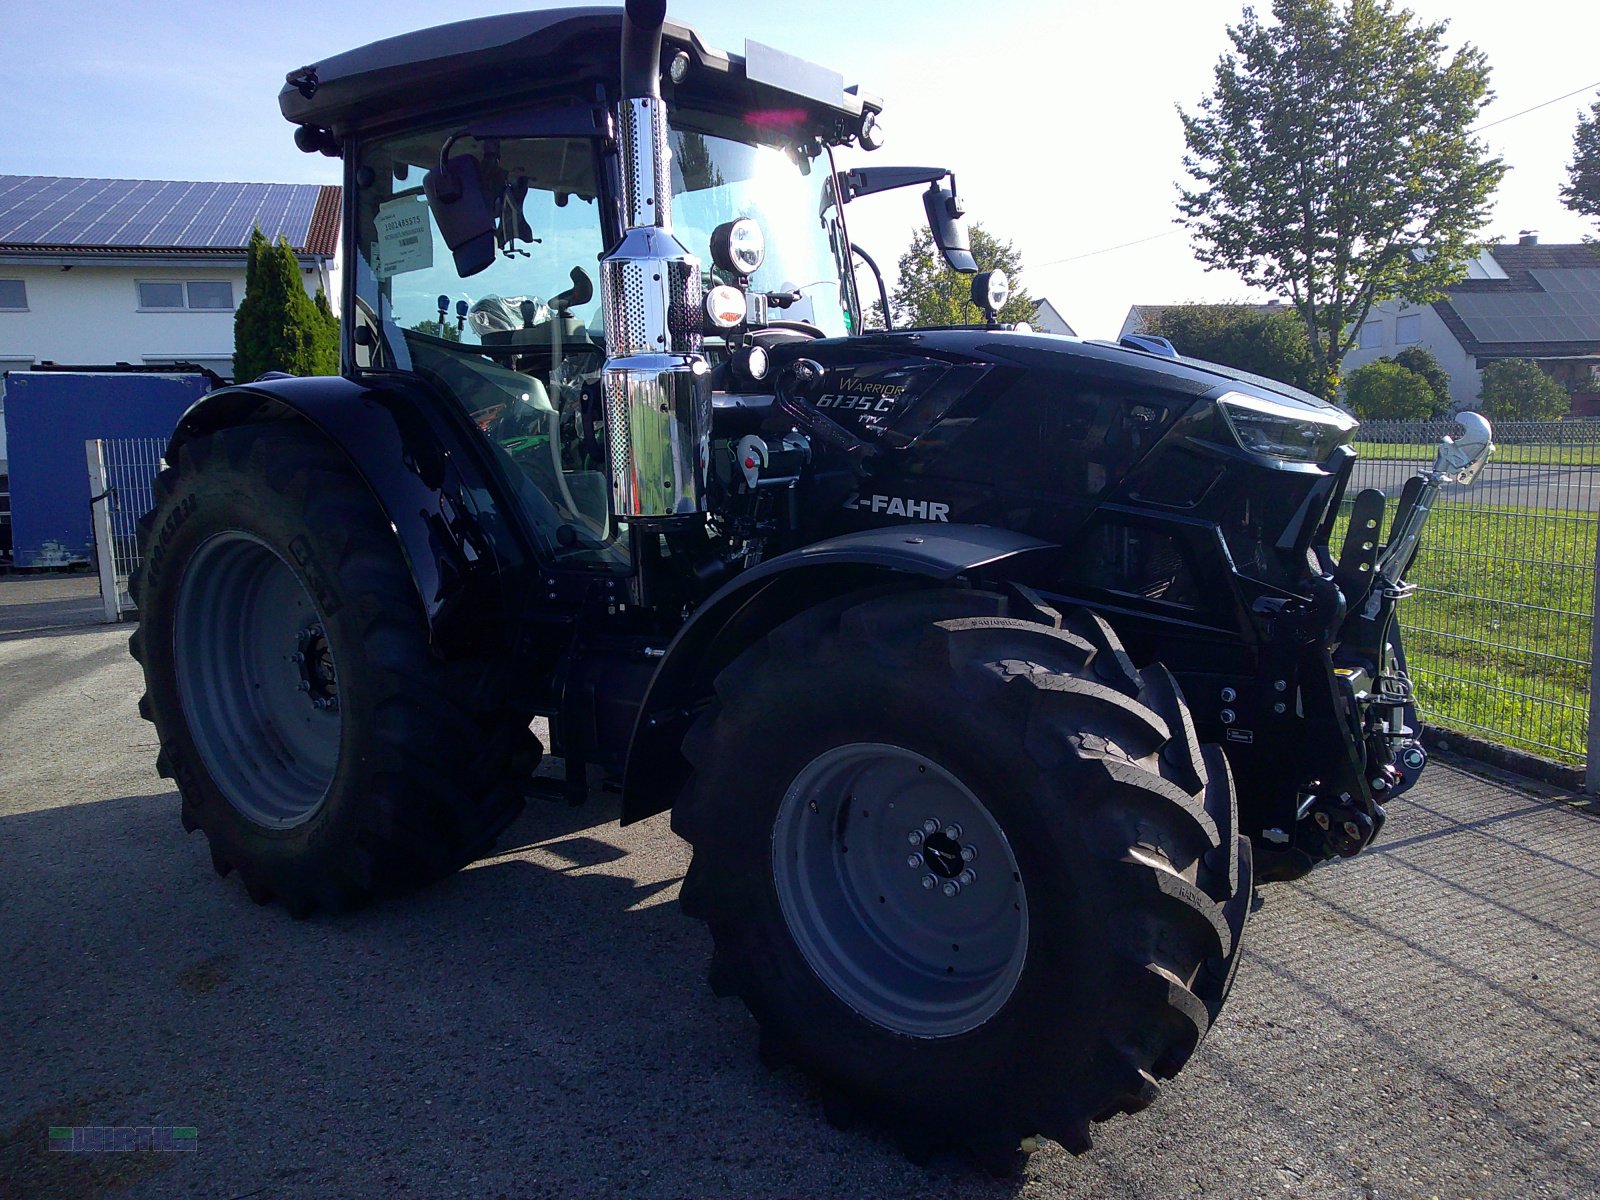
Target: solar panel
x=49 y=210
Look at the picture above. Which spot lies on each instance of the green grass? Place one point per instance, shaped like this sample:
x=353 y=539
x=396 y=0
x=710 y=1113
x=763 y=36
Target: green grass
x=1543 y=455
x=1498 y=634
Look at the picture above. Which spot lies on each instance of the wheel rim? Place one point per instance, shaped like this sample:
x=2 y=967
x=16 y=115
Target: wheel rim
x=257 y=680
x=860 y=834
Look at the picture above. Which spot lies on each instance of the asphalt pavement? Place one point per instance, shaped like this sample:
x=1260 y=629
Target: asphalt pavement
x=1500 y=485
x=1418 y=1022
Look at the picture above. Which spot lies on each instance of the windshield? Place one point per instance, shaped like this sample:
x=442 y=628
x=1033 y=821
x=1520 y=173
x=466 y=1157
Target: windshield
x=716 y=179
x=519 y=343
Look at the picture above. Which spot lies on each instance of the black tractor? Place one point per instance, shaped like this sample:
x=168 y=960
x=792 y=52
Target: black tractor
x=899 y=623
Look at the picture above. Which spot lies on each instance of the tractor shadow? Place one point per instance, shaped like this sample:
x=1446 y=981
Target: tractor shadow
x=538 y=1024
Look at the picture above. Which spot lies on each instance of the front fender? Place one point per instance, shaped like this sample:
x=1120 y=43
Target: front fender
x=458 y=535
x=765 y=596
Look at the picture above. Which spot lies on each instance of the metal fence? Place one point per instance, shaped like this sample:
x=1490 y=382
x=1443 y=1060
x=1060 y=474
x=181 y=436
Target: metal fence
x=1500 y=633
x=122 y=472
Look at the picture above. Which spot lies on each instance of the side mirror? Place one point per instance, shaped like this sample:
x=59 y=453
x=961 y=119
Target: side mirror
x=949 y=230
x=455 y=196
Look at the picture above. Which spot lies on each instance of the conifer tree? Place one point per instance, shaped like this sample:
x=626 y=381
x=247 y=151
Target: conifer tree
x=277 y=326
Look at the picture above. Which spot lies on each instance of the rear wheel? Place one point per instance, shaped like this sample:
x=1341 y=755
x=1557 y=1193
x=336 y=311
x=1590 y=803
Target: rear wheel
x=972 y=872
x=325 y=752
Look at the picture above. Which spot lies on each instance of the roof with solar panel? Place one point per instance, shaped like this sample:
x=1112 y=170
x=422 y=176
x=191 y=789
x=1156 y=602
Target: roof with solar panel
x=1542 y=302
x=48 y=214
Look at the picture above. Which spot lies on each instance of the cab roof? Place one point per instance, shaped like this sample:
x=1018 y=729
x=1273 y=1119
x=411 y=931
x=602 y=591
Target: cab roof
x=499 y=60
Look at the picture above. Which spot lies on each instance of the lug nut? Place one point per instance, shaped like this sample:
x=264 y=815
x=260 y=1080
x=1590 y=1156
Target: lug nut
x=968 y=853
x=951 y=888
x=915 y=837
x=297 y=657
x=953 y=832
x=967 y=878
x=913 y=861
x=930 y=826
x=929 y=883
x=304 y=685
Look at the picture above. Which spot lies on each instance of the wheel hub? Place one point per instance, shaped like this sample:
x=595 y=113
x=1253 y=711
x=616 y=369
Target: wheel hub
x=319 y=679
x=894 y=918
x=268 y=730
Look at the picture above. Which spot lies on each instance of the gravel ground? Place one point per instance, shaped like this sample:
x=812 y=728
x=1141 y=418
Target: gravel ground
x=1419 y=1022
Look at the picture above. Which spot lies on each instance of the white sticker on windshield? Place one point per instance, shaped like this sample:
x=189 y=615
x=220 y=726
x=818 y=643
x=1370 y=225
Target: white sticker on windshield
x=405 y=237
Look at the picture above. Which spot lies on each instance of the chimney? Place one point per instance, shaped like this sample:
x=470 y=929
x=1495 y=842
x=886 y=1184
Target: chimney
x=1527 y=237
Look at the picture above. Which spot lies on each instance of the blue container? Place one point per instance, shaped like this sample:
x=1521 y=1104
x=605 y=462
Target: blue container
x=48 y=417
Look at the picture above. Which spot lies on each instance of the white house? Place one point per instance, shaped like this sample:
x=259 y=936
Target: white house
x=1046 y=319
x=98 y=271
x=1522 y=301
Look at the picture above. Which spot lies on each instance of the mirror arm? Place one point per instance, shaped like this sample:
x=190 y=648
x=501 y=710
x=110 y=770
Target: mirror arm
x=883 y=293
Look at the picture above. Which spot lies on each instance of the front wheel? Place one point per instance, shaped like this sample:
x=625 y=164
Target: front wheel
x=972 y=872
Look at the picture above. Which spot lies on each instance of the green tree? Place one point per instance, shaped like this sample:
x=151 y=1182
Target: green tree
x=277 y=326
x=930 y=293
x=1581 y=193
x=1418 y=359
x=250 y=319
x=1333 y=161
x=1239 y=335
x=438 y=329
x=1516 y=389
x=1386 y=391
x=327 y=335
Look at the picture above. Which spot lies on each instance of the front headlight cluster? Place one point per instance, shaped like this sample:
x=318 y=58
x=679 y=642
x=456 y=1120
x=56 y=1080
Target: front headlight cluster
x=1282 y=430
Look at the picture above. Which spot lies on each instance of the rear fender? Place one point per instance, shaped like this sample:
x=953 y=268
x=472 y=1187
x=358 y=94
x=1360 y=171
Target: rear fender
x=458 y=535
x=765 y=596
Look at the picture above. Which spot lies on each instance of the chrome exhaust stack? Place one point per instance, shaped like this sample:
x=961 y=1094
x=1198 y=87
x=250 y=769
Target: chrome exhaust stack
x=656 y=386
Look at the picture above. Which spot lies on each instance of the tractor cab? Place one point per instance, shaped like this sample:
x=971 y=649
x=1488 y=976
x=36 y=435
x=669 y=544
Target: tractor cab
x=475 y=239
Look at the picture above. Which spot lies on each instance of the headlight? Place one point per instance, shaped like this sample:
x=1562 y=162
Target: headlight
x=738 y=246
x=1281 y=430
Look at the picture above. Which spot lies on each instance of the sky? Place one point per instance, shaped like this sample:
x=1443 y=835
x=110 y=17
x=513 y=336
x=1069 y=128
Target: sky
x=1058 y=118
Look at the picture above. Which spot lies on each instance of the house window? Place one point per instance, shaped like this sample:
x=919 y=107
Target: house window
x=1372 y=335
x=200 y=295
x=13 y=295
x=211 y=294
x=1408 y=330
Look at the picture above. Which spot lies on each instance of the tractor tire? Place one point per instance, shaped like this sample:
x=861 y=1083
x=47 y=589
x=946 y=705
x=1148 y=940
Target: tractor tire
x=325 y=752
x=973 y=873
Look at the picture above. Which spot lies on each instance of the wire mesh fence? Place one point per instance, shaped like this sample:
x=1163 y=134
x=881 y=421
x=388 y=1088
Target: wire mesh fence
x=122 y=474
x=1499 y=632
